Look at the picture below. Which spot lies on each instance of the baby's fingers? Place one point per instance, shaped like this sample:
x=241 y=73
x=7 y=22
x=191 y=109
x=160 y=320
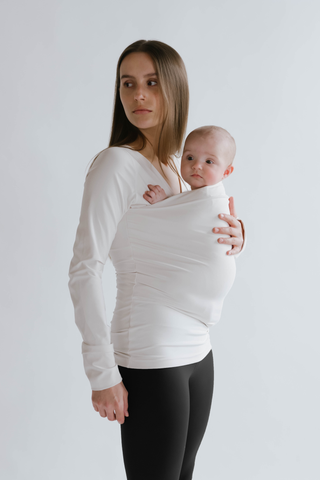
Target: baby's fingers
x=149 y=196
x=155 y=188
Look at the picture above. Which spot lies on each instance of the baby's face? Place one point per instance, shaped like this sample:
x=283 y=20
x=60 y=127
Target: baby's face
x=205 y=160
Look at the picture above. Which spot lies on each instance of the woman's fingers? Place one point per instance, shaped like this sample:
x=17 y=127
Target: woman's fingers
x=125 y=401
x=232 y=208
x=234 y=241
x=233 y=222
x=110 y=403
x=125 y=407
x=109 y=413
x=234 y=231
x=240 y=234
x=117 y=412
x=230 y=240
x=233 y=251
x=225 y=230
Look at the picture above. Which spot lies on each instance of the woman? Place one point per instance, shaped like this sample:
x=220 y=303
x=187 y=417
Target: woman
x=169 y=380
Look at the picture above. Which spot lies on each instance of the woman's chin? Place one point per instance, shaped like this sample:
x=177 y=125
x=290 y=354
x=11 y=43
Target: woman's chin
x=143 y=123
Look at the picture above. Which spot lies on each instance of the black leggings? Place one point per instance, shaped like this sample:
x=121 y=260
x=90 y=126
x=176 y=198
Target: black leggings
x=168 y=414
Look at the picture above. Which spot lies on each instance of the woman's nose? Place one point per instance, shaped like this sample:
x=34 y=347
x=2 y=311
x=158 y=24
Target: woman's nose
x=139 y=94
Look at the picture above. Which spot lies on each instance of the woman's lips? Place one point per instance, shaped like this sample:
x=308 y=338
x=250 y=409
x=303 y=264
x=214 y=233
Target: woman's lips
x=141 y=111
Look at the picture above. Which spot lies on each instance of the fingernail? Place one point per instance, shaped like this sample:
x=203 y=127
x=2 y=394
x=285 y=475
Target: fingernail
x=221 y=215
x=216 y=229
x=220 y=240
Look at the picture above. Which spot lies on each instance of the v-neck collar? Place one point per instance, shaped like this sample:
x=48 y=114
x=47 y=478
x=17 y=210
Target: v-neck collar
x=162 y=181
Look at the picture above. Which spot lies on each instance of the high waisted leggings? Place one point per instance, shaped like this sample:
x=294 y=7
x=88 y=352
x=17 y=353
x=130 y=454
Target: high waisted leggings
x=168 y=414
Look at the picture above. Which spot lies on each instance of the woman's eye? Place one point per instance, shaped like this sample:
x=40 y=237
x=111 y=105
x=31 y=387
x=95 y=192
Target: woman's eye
x=152 y=83
x=127 y=84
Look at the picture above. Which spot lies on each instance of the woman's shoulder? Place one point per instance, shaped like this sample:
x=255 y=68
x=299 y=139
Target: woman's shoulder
x=113 y=155
x=112 y=174
x=113 y=160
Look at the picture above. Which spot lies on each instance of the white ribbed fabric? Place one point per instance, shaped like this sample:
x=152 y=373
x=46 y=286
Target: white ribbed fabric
x=172 y=274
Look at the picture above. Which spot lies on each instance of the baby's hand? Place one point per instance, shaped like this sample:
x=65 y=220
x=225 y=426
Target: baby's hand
x=155 y=194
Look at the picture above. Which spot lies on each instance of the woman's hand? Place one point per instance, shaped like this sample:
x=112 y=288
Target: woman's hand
x=235 y=230
x=111 y=402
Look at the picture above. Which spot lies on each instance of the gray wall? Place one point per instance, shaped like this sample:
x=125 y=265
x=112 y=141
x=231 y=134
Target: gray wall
x=254 y=69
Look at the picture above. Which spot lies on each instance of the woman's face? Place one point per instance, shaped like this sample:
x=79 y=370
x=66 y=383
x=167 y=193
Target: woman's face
x=140 y=92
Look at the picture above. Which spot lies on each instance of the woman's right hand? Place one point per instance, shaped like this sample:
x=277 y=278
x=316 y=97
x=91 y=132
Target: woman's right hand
x=111 y=402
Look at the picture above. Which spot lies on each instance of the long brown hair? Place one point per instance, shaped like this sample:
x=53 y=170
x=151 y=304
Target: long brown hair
x=173 y=83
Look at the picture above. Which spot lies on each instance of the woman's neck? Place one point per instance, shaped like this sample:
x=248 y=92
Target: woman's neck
x=148 y=150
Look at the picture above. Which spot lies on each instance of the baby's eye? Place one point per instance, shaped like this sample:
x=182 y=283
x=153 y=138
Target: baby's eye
x=189 y=157
x=209 y=161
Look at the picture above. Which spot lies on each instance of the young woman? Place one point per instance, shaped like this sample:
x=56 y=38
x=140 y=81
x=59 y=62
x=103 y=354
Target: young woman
x=156 y=363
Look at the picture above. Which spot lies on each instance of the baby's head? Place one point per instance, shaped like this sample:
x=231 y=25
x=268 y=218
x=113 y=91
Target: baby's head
x=207 y=156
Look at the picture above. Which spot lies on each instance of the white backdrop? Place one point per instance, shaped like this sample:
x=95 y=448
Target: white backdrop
x=253 y=68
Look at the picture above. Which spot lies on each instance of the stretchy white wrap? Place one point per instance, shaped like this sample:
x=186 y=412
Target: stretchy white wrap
x=172 y=274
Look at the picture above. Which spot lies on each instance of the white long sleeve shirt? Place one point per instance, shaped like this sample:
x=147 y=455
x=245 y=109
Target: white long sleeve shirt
x=172 y=274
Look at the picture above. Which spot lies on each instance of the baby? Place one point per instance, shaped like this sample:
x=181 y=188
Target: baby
x=206 y=160
x=181 y=248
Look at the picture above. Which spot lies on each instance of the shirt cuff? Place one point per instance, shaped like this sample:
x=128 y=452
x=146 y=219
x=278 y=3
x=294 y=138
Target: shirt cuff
x=100 y=367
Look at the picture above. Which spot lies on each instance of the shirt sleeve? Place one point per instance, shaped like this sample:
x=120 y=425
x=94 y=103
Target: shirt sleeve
x=109 y=190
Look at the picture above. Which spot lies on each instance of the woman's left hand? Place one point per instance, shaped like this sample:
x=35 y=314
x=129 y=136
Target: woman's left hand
x=235 y=230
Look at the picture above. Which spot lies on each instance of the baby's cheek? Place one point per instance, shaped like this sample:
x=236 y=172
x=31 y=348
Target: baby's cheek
x=213 y=178
x=183 y=172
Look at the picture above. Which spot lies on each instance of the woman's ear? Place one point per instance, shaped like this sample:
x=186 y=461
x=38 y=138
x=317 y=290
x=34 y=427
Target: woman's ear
x=228 y=171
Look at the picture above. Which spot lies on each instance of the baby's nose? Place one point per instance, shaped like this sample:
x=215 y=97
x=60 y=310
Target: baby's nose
x=197 y=164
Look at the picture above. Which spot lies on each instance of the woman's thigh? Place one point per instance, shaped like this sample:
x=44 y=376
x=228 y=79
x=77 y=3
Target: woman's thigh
x=201 y=391
x=154 y=435
x=168 y=414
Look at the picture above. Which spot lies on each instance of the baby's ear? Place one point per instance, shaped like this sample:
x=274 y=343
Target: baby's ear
x=228 y=171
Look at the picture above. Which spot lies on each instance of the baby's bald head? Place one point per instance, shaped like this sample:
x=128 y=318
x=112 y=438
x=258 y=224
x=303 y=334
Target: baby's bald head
x=216 y=134
x=207 y=156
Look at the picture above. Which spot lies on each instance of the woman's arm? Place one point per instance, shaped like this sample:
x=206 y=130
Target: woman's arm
x=108 y=193
x=235 y=230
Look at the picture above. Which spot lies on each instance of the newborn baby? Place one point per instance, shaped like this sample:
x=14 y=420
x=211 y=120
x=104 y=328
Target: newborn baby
x=179 y=274
x=182 y=262
x=192 y=267
x=207 y=159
